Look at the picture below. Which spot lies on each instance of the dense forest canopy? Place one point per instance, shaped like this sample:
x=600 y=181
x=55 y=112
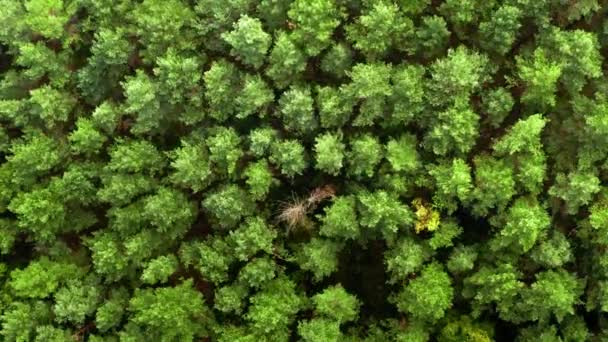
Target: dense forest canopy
x=303 y=170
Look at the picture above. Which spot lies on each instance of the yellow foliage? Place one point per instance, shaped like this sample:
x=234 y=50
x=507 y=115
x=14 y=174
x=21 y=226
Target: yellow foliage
x=426 y=217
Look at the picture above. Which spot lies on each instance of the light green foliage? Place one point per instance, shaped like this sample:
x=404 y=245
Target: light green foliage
x=169 y=211
x=402 y=154
x=158 y=270
x=170 y=313
x=370 y=86
x=500 y=285
x=142 y=102
x=158 y=23
x=255 y=96
x=338 y=60
x=40 y=211
x=52 y=334
x=33 y=157
x=554 y=252
x=216 y=17
x=76 y=301
x=524 y=135
x=453 y=182
x=319 y=329
x=51 y=105
x=445 y=234
x=107 y=255
x=576 y=189
x=110 y=312
x=7 y=236
x=228 y=205
x=47 y=17
x=314 y=23
x=110 y=46
x=408 y=93
x=105 y=117
x=462 y=259
x=212 y=258
x=459 y=12
x=598 y=219
x=258 y=272
x=289 y=156
x=249 y=41
x=406 y=257
x=225 y=150
x=497 y=104
x=340 y=219
x=297 y=112
x=539 y=76
x=577 y=52
x=121 y=188
x=454 y=130
x=525 y=220
x=260 y=140
x=382 y=212
x=41 y=278
x=363 y=156
x=191 y=166
x=554 y=293
x=20 y=319
x=86 y=139
x=286 y=61
x=221 y=82
x=274 y=307
x=378 y=29
x=500 y=31
x=178 y=77
x=329 y=153
x=229 y=299
x=259 y=179
x=135 y=157
x=432 y=36
x=252 y=237
x=428 y=296
x=334 y=109
x=456 y=76
x=319 y=256
x=336 y=303
x=494 y=185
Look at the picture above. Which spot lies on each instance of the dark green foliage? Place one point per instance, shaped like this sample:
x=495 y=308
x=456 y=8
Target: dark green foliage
x=310 y=170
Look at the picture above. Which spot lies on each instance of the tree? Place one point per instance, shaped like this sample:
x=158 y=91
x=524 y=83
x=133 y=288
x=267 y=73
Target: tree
x=228 y=205
x=525 y=220
x=297 y=112
x=340 y=219
x=428 y=296
x=274 y=307
x=314 y=23
x=286 y=61
x=319 y=256
x=171 y=313
x=290 y=156
x=378 y=29
x=370 y=87
x=249 y=41
x=329 y=153
x=540 y=77
x=252 y=237
x=364 y=155
x=382 y=212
